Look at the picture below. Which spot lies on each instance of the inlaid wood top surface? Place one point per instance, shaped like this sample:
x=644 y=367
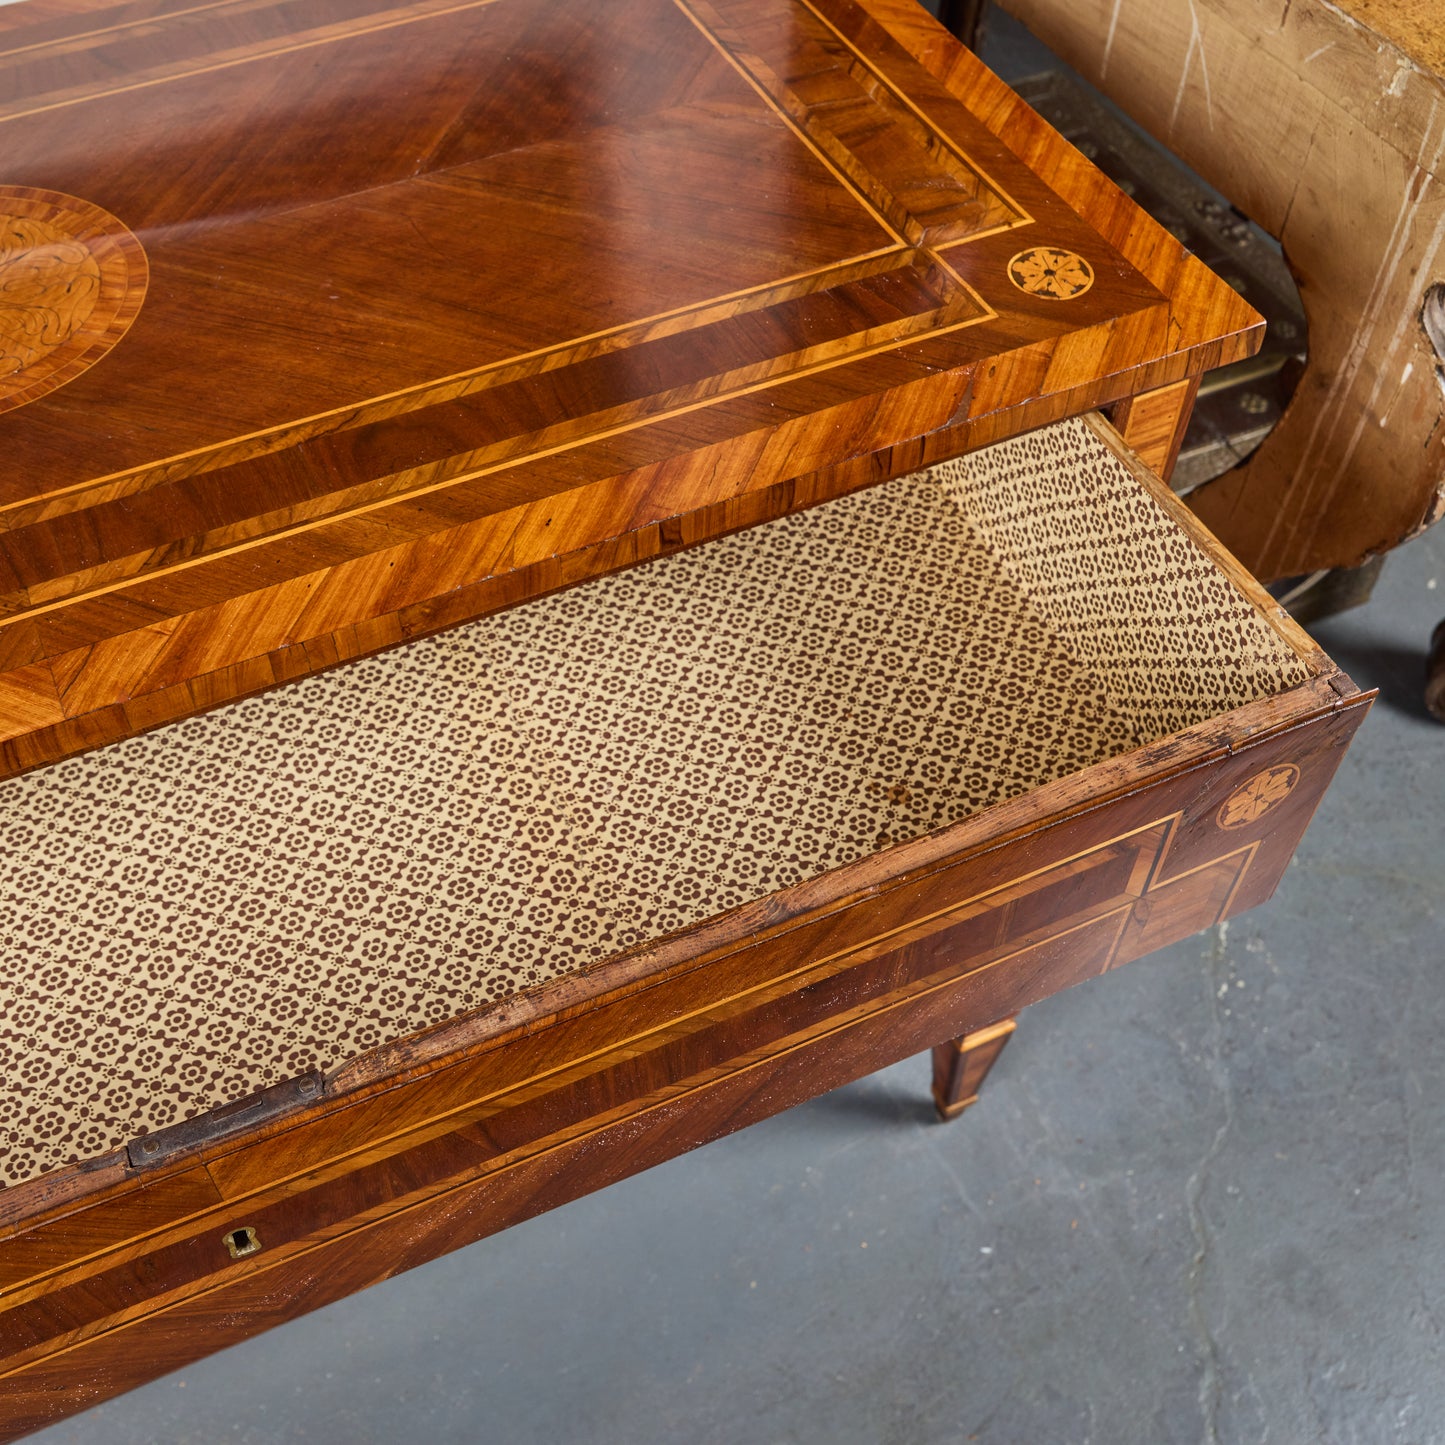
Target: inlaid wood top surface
x=328 y=322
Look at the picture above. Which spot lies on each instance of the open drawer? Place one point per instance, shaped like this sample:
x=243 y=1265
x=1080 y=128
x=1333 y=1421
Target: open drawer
x=319 y=986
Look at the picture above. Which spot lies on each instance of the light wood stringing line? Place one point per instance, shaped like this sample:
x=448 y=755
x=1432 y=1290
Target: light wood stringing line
x=67 y=41
x=1137 y=886
x=775 y=104
x=325 y=35
x=472 y=475
x=777 y=109
x=1025 y=218
x=1139 y=882
x=381 y=407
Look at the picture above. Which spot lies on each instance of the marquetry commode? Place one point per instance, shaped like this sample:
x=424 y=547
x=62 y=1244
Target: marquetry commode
x=926 y=700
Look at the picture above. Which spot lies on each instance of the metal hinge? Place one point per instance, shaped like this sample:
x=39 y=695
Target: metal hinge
x=149 y=1150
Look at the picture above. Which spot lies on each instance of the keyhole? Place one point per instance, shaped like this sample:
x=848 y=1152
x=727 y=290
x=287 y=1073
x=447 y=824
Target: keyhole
x=241 y=1242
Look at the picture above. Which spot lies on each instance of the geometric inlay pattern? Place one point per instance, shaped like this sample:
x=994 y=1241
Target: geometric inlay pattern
x=1048 y=271
x=72 y=279
x=197 y=913
x=1260 y=795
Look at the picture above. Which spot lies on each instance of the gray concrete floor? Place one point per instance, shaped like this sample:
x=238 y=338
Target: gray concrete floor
x=1202 y=1199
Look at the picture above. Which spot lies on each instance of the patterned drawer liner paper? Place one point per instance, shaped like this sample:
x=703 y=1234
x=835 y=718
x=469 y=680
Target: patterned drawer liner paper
x=193 y=915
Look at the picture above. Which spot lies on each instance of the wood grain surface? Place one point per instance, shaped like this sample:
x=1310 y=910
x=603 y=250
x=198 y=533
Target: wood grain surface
x=425 y=332
x=419 y=320
x=961 y=1065
x=1153 y=423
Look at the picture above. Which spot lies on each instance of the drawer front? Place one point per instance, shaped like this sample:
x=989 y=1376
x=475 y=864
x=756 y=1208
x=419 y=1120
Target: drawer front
x=1079 y=916
x=1154 y=880
x=252 y=1295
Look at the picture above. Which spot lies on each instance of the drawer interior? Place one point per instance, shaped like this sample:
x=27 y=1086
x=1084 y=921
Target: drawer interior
x=226 y=903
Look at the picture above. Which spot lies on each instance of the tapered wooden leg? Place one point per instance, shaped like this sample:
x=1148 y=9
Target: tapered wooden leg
x=961 y=1065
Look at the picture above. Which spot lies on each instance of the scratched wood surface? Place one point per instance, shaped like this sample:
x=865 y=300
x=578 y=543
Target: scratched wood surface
x=337 y=325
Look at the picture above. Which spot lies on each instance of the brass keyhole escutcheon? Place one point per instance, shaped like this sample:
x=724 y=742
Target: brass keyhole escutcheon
x=241 y=1242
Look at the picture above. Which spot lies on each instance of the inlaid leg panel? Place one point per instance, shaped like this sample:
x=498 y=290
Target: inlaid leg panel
x=961 y=1065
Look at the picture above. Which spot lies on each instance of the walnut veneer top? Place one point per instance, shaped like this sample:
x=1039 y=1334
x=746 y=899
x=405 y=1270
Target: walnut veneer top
x=330 y=322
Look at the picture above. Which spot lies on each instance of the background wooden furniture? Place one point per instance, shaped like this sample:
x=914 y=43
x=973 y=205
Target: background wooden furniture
x=1324 y=122
x=1435 y=673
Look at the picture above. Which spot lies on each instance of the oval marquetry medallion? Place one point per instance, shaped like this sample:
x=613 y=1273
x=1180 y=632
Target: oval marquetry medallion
x=1048 y=271
x=1252 y=800
x=72 y=280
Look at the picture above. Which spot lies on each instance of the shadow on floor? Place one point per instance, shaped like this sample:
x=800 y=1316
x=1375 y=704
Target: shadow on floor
x=857 y=1103
x=1399 y=672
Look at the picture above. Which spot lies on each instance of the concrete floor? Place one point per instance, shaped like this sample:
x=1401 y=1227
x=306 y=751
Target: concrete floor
x=1202 y=1199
